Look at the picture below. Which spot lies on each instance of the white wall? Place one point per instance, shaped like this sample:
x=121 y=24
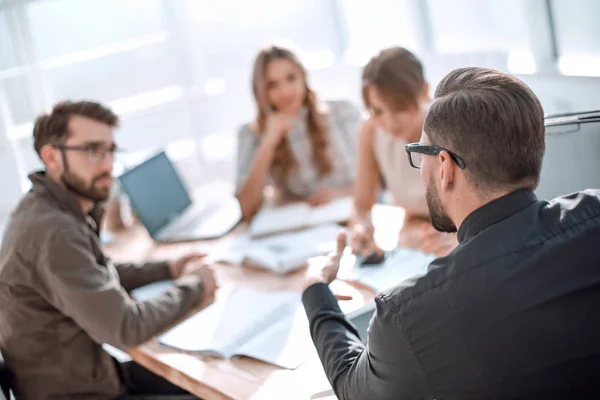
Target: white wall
x=561 y=94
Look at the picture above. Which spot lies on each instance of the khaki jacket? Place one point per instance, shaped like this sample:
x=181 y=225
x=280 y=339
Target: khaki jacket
x=61 y=299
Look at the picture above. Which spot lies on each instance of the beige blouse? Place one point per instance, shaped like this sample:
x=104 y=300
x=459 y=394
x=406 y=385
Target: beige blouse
x=402 y=180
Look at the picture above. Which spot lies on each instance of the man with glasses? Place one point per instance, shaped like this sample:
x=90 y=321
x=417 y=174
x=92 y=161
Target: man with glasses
x=512 y=311
x=60 y=297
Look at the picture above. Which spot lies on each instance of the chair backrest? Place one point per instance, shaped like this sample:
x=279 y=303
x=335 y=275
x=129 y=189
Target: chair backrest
x=572 y=159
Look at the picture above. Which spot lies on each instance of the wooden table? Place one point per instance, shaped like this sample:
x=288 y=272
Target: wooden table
x=241 y=378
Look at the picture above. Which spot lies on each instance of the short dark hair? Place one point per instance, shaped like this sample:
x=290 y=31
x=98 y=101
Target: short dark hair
x=494 y=122
x=52 y=127
x=398 y=76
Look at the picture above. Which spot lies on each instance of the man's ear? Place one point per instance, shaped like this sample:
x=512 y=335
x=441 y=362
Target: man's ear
x=50 y=157
x=447 y=171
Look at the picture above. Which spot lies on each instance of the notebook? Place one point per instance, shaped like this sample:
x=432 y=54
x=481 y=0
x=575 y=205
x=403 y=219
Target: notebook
x=280 y=253
x=299 y=215
x=268 y=326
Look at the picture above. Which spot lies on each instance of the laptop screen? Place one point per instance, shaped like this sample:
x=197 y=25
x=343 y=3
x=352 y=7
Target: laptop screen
x=155 y=191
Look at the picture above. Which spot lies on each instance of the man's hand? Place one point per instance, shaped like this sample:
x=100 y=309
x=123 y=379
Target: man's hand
x=363 y=243
x=207 y=276
x=176 y=266
x=324 y=269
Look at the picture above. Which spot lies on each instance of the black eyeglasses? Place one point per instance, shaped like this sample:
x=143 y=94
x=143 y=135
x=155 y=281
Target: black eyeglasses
x=95 y=153
x=416 y=150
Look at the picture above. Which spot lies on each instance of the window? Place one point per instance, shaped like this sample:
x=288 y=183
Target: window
x=178 y=71
x=578 y=36
x=377 y=24
x=466 y=26
x=9 y=58
x=225 y=37
x=153 y=130
x=13 y=72
x=20 y=105
x=61 y=27
x=115 y=76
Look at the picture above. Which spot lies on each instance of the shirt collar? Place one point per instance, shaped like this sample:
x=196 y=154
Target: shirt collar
x=494 y=212
x=64 y=199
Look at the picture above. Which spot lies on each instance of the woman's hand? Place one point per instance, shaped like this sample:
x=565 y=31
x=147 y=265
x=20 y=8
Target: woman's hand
x=277 y=127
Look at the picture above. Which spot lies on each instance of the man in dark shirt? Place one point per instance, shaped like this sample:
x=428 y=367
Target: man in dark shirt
x=512 y=312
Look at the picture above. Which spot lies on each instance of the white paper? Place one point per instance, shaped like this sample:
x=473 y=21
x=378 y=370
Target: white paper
x=299 y=215
x=278 y=219
x=231 y=250
x=280 y=253
x=286 y=252
x=400 y=264
x=283 y=343
x=243 y=322
x=338 y=210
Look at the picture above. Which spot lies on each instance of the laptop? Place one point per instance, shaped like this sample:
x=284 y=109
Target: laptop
x=163 y=204
x=571 y=162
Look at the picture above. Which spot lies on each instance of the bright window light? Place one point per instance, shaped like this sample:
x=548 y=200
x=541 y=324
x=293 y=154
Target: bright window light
x=579 y=65
x=214 y=86
x=14 y=72
x=176 y=151
x=25 y=185
x=225 y=142
x=357 y=57
x=144 y=101
x=20 y=131
x=181 y=149
x=103 y=51
x=318 y=59
x=521 y=62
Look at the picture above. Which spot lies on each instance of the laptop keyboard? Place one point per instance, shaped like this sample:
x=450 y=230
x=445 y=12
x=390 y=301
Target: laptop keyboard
x=212 y=220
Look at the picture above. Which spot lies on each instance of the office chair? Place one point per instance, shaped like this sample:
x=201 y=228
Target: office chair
x=572 y=158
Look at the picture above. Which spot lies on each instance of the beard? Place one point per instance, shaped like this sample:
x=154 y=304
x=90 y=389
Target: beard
x=78 y=186
x=439 y=219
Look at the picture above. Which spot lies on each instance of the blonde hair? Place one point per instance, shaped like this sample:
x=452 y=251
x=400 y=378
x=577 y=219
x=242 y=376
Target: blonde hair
x=398 y=76
x=284 y=161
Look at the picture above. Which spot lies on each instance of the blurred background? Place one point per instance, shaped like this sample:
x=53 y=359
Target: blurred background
x=178 y=71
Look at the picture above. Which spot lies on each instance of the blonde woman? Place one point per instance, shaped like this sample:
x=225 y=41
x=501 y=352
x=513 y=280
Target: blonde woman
x=305 y=148
x=397 y=96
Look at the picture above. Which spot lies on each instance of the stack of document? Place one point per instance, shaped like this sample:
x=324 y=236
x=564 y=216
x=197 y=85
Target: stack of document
x=268 y=326
x=279 y=253
x=299 y=215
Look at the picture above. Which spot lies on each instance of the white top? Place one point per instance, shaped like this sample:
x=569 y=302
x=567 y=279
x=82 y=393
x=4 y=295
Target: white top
x=402 y=180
